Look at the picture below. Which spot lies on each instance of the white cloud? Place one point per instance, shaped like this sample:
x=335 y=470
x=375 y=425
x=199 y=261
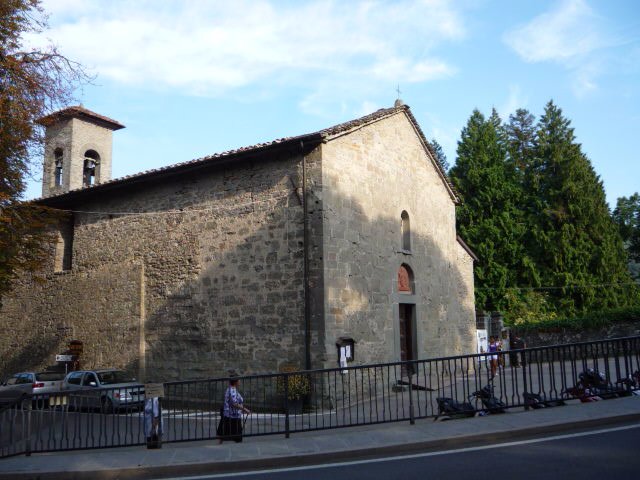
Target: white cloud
x=559 y=35
x=212 y=48
x=570 y=35
x=584 y=80
x=514 y=101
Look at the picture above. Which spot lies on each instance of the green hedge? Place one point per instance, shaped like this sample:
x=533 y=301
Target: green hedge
x=593 y=320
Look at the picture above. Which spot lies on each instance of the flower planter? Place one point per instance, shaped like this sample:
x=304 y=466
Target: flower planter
x=295 y=406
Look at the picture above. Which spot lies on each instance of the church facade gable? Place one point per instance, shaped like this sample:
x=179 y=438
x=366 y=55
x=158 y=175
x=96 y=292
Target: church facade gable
x=378 y=180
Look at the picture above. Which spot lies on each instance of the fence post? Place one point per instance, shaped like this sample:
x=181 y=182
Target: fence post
x=412 y=419
x=625 y=353
x=28 y=439
x=524 y=378
x=286 y=406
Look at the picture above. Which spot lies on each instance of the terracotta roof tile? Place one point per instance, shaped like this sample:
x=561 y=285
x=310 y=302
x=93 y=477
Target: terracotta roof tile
x=78 y=111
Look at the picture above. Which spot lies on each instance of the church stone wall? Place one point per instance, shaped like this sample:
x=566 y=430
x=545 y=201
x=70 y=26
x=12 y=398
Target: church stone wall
x=370 y=177
x=315 y=226
x=220 y=262
x=100 y=306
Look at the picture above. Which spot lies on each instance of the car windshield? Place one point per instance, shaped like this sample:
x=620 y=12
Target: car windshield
x=115 y=376
x=49 y=376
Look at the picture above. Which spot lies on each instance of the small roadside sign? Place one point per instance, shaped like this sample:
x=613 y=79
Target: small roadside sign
x=153 y=390
x=64 y=358
x=58 y=400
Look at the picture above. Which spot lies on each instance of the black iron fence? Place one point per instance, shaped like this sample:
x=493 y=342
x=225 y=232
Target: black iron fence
x=286 y=403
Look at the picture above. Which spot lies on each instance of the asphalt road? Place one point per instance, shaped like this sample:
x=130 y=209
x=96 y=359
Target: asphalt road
x=606 y=453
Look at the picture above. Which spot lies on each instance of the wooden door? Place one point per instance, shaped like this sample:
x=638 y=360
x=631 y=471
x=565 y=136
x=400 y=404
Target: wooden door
x=406 y=333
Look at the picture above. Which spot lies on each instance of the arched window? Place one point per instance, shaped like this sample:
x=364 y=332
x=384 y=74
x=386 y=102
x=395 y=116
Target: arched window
x=58 y=155
x=406 y=231
x=405 y=279
x=91 y=161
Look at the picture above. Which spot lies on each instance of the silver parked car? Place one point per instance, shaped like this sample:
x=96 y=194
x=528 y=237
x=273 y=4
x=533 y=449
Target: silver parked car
x=106 y=389
x=40 y=385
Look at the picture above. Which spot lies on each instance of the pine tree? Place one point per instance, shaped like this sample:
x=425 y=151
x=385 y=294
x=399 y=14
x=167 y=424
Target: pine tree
x=486 y=218
x=440 y=155
x=577 y=248
x=520 y=139
x=495 y=120
x=525 y=302
x=521 y=134
x=627 y=217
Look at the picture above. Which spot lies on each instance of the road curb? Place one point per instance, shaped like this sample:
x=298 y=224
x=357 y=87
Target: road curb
x=297 y=460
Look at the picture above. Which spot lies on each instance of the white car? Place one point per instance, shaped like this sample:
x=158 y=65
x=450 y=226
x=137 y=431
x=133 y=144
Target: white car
x=23 y=385
x=106 y=389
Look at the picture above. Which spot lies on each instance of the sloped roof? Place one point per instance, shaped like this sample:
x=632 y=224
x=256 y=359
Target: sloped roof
x=310 y=139
x=467 y=248
x=78 y=111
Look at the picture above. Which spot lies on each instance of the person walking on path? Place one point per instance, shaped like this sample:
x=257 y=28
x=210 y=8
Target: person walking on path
x=230 y=426
x=494 y=346
x=517 y=343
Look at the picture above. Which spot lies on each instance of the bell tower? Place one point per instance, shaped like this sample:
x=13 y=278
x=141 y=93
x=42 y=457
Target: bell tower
x=77 y=151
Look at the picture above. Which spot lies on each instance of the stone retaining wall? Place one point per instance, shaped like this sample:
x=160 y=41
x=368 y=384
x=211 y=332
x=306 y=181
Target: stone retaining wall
x=561 y=336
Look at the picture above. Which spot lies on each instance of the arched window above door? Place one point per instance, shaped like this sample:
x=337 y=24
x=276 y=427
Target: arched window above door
x=406 y=283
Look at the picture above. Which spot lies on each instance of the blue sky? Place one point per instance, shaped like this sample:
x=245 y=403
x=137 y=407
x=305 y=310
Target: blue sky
x=192 y=78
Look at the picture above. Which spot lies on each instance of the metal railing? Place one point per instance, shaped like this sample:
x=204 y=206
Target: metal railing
x=287 y=403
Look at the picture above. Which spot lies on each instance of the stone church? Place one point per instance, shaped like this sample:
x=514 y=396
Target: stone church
x=260 y=258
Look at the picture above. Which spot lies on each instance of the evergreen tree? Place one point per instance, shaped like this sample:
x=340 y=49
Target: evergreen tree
x=521 y=134
x=495 y=120
x=627 y=217
x=440 y=155
x=488 y=215
x=525 y=302
x=578 y=249
x=520 y=138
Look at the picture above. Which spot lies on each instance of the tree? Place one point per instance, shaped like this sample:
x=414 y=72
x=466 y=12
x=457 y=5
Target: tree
x=521 y=134
x=627 y=217
x=576 y=247
x=32 y=84
x=527 y=301
x=440 y=155
x=488 y=217
x=534 y=211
